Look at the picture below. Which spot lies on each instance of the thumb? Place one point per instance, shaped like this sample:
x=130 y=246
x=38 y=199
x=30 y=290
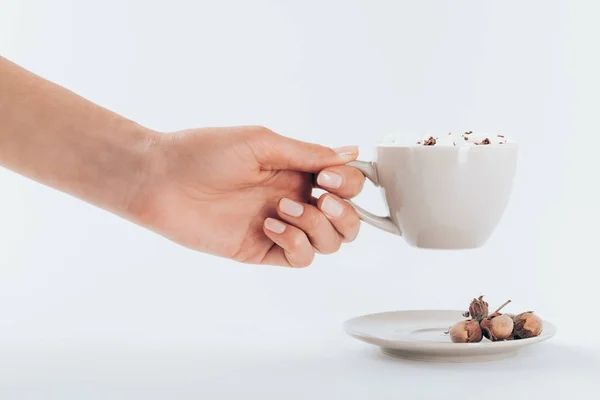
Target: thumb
x=277 y=152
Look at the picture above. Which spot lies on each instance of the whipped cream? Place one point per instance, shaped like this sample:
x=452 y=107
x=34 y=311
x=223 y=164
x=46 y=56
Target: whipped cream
x=450 y=139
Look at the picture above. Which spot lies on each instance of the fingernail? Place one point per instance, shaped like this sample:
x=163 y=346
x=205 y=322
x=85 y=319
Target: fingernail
x=347 y=150
x=274 y=226
x=332 y=207
x=329 y=180
x=291 y=208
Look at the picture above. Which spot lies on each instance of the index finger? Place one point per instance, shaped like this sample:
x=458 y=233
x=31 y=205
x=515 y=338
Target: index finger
x=342 y=180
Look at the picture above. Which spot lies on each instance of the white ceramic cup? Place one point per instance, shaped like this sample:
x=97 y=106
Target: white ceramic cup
x=441 y=197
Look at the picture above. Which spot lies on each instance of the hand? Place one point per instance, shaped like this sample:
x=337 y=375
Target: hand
x=241 y=193
x=246 y=194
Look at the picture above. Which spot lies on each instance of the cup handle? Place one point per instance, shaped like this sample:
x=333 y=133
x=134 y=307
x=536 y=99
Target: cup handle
x=369 y=170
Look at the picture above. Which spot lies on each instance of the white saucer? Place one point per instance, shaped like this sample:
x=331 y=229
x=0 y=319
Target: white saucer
x=419 y=335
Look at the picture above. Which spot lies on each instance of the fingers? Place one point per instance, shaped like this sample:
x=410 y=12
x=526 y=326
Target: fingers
x=320 y=232
x=277 y=152
x=305 y=228
x=342 y=216
x=293 y=247
x=342 y=180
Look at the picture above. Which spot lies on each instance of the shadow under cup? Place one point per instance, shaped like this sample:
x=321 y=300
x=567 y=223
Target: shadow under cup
x=442 y=197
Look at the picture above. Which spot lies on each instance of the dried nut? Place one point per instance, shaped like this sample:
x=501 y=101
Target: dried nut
x=467 y=331
x=478 y=309
x=527 y=325
x=497 y=328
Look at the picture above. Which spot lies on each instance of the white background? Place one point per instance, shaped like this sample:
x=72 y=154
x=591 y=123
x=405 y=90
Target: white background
x=92 y=306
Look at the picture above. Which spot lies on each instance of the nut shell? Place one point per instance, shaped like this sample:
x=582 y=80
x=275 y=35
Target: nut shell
x=478 y=309
x=527 y=325
x=467 y=331
x=497 y=328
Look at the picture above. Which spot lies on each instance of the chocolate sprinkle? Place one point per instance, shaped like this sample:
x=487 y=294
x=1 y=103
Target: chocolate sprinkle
x=430 y=142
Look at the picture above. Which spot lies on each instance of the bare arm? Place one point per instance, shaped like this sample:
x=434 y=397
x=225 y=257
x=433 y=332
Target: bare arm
x=243 y=193
x=60 y=139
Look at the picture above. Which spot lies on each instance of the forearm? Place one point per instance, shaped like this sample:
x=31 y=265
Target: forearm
x=58 y=138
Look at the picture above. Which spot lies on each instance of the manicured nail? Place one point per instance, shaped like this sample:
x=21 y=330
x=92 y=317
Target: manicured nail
x=291 y=208
x=274 y=226
x=329 y=180
x=332 y=207
x=347 y=150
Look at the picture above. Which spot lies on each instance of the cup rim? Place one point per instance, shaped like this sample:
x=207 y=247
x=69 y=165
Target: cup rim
x=446 y=147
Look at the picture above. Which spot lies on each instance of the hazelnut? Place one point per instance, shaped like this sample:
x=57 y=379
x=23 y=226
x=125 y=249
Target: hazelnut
x=527 y=325
x=467 y=331
x=478 y=309
x=497 y=327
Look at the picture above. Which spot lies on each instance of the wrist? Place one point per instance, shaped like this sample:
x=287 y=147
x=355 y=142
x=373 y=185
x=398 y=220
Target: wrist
x=141 y=169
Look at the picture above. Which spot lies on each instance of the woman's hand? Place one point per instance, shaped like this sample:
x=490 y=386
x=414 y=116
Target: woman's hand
x=241 y=193
x=245 y=193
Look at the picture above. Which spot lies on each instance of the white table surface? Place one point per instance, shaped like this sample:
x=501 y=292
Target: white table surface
x=294 y=365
